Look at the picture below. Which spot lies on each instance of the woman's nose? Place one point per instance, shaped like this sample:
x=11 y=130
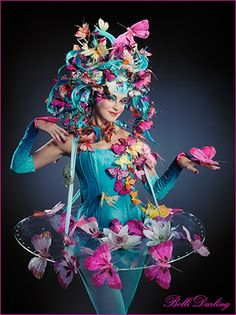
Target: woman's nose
x=115 y=105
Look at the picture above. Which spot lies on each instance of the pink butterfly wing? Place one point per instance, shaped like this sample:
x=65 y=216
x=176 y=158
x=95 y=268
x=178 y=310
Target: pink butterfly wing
x=130 y=141
x=205 y=155
x=120 y=188
x=140 y=29
x=118 y=148
x=122 y=174
x=122 y=39
x=100 y=258
x=42 y=242
x=209 y=151
x=162 y=252
x=65 y=275
x=98 y=278
x=38 y=265
x=163 y=278
x=118 y=185
x=115 y=225
x=151 y=272
x=139 y=174
x=112 y=171
x=114 y=281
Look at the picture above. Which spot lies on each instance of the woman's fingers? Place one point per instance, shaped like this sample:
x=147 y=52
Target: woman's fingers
x=61 y=136
x=63 y=131
x=56 y=136
x=213 y=166
x=193 y=169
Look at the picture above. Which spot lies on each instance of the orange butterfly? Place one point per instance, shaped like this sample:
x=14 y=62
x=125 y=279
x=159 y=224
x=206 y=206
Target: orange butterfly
x=133 y=195
x=129 y=182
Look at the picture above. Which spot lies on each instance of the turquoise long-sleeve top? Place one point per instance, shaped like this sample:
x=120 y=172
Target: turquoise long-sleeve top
x=93 y=179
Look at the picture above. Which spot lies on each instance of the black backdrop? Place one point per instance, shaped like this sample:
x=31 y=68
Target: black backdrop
x=193 y=58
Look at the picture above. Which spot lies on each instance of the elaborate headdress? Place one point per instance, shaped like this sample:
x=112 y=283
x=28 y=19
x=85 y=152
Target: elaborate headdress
x=97 y=64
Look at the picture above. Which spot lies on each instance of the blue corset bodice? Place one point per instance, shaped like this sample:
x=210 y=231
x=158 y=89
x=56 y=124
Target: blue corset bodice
x=94 y=180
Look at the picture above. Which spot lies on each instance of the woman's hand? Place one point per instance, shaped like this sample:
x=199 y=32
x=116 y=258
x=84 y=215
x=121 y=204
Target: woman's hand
x=56 y=132
x=190 y=165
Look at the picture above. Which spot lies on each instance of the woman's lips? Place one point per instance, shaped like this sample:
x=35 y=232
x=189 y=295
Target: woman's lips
x=113 y=113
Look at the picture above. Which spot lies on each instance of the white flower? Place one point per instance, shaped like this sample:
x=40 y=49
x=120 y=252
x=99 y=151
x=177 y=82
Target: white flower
x=121 y=239
x=157 y=232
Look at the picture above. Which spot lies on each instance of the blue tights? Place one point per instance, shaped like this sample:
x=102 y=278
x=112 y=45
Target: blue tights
x=112 y=301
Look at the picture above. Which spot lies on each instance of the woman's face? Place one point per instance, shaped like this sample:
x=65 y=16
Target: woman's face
x=110 y=107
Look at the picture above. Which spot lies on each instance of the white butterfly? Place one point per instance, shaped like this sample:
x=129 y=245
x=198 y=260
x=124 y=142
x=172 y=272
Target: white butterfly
x=41 y=244
x=103 y=25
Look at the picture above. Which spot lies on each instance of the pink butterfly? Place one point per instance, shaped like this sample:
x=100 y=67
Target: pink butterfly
x=145 y=125
x=117 y=172
x=121 y=188
x=68 y=241
x=49 y=212
x=89 y=225
x=162 y=254
x=101 y=261
x=115 y=225
x=140 y=29
x=144 y=79
x=59 y=221
x=41 y=243
x=109 y=75
x=204 y=155
x=66 y=269
x=196 y=243
x=128 y=141
x=118 y=148
x=139 y=173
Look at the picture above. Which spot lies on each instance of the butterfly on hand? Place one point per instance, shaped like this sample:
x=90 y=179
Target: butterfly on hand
x=204 y=155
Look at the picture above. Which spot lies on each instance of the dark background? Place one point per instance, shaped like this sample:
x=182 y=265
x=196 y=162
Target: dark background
x=193 y=58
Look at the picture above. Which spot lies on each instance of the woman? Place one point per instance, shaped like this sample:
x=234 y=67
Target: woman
x=112 y=236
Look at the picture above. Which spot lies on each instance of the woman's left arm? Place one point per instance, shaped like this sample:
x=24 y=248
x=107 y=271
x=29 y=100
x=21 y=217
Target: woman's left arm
x=161 y=186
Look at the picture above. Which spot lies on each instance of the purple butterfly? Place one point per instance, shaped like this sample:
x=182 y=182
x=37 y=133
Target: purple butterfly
x=41 y=243
x=66 y=269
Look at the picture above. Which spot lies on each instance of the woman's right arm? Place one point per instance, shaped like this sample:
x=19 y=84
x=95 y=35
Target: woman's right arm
x=25 y=162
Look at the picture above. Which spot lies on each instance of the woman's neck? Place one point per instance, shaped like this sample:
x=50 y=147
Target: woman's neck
x=100 y=122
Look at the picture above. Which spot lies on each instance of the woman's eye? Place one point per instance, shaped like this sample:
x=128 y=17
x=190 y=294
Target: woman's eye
x=110 y=98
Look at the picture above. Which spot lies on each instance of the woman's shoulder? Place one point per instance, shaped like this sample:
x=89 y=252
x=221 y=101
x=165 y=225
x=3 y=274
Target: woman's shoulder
x=123 y=133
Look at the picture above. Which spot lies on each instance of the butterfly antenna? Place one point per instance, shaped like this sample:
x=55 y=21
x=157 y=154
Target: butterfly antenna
x=122 y=25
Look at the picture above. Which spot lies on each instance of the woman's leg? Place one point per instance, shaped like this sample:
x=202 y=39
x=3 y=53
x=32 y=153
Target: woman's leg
x=105 y=300
x=130 y=280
